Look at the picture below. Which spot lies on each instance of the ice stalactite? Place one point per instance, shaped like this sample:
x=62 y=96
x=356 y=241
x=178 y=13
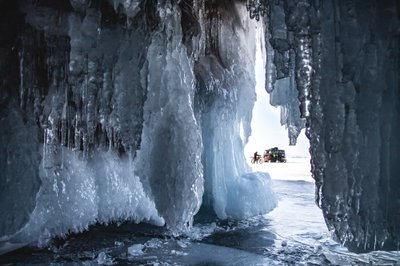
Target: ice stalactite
x=169 y=160
x=81 y=100
x=135 y=109
x=284 y=67
x=346 y=73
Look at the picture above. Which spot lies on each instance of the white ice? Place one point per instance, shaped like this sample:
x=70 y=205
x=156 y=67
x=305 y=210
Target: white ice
x=76 y=194
x=148 y=109
x=230 y=187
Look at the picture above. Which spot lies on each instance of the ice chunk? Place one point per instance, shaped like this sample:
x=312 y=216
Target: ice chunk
x=119 y=244
x=136 y=250
x=182 y=244
x=153 y=243
x=104 y=259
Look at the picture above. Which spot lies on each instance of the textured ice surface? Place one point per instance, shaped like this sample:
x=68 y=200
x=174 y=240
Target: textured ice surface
x=232 y=95
x=128 y=107
x=282 y=237
x=357 y=142
x=104 y=259
x=19 y=164
x=158 y=93
x=342 y=57
x=282 y=79
x=135 y=250
x=77 y=193
x=169 y=160
x=75 y=98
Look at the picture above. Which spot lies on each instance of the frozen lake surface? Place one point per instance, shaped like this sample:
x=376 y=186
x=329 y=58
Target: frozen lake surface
x=296 y=168
x=292 y=234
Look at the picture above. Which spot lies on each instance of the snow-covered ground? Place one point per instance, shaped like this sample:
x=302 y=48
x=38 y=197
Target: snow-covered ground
x=296 y=168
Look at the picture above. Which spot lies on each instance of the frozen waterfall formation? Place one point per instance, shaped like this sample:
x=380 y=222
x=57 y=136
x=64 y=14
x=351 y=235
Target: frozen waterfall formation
x=125 y=110
x=118 y=110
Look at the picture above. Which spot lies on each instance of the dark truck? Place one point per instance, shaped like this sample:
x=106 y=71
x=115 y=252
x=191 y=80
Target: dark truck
x=274 y=155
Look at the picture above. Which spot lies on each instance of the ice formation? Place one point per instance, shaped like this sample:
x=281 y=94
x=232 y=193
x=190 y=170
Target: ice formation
x=125 y=110
x=343 y=59
x=133 y=110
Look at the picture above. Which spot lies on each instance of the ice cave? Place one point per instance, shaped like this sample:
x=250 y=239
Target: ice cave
x=139 y=110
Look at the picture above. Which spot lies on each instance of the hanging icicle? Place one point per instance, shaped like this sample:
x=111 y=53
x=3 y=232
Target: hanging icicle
x=256 y=8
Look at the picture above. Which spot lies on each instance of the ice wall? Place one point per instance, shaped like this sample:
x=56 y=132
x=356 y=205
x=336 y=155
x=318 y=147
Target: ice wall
x=345 y=56
x=71 y=119
x=124 y=110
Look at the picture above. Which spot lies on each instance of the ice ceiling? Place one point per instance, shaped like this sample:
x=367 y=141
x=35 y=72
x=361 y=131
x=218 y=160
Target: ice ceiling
x=132 y=110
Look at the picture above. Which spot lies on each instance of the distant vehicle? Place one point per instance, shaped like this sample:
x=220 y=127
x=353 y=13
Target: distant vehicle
x=274 y=155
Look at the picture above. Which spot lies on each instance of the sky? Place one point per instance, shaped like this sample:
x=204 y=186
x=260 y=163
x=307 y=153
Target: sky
x=267 y=132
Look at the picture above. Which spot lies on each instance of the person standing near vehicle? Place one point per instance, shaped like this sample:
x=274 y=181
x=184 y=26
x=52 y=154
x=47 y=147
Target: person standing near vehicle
x=256 y=157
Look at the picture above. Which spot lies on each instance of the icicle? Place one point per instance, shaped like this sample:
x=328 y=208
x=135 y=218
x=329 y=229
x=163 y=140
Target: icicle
x=22 y=80
x=304 y=74
x=270 y=69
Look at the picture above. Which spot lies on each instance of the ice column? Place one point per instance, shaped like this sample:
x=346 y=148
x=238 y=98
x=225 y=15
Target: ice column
x=169 y=161
x=226 y=99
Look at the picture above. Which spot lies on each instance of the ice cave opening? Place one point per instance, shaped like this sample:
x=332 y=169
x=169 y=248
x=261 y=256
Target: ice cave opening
x=268 y=131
